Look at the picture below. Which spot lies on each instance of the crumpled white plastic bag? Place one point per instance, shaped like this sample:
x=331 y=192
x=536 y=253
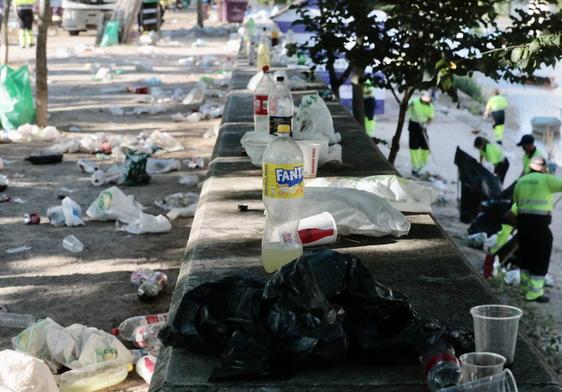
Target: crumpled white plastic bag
x=164 y=141
x=20 y=372
x=356 y=212
x=403 y=194
x=314 y=117
x=113 y=204
x=149 y=224
x=159 y=166
x=74 y=347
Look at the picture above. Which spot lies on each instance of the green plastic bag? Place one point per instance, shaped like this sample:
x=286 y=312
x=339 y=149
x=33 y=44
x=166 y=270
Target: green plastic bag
x=16 y=97
x=110 y=34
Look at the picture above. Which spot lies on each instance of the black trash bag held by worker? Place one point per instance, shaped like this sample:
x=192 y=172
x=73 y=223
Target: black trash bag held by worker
x=321 y=308
x=477 y=184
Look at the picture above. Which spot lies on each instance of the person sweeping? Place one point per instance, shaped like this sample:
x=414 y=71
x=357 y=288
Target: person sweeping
x=493 y=154
x=24 y=10
x=421 y=113
x=496 y=106
x=533 y=205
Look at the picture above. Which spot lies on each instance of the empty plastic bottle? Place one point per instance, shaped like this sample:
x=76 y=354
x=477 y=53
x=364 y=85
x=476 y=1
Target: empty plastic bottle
x=264 y=56
x=88 y=167
x=145 y=367
x=137 y=354
x=72 y=244
x=152 y=286
x=16 y=320
x=442 y=368
x=94 y=377
x=280 y=107
x=261 y=121
x=127 y=327
x=146 y=336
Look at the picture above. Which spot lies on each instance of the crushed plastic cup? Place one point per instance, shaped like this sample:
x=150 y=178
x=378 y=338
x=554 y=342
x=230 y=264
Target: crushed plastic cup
x=478 y=365
x=318 y=229
x=310 y=151
x=503 y=382
x=72 y=244
x=495 y=329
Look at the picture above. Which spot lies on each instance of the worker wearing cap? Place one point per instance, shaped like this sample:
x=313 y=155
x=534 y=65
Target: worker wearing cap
x=530 y=152
x=24 y=10
x=533 y=204
x=420 y=112
x=496 y=106
x=493 y=154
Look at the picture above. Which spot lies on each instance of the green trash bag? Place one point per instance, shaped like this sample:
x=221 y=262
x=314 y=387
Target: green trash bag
x=110 y=34
x=16 y=97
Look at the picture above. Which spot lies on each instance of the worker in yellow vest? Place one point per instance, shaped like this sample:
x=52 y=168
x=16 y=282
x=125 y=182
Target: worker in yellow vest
x=421 y=113
x=533 y=204
x=24 y=9
x=527 y=143
x=496 y=106
x=493 y=154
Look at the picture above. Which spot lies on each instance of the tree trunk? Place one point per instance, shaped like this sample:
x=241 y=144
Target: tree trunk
x=5 y=17
x=357 y=95
x=395 y=147
x=42 y=93
x=200 y=13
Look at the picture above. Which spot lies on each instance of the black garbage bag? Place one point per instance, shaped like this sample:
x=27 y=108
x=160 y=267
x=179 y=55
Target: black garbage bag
x=324 y=307
x=490 y=219
x=135 y=168
x=44 y=157
x=477 y=184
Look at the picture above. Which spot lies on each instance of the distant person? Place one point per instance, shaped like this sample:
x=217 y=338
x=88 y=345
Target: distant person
x=420 y=112
x=369 y=106
x=530 y=152
x=24 y=9
x=493 y=154
x=533 y=205
x=496 y=106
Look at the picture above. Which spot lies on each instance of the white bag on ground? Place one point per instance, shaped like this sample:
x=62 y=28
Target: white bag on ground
x=149 y=224
x=314 y=118
x=159 y=166
x=113 y=204
x=72 y=212
x=403 y=194
x=20 y=372
x=164 y=141
x=356 y=212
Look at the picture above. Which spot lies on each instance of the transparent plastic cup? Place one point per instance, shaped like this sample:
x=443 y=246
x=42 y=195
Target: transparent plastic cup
x=72 y=244
x=495 y=329
x=479 y=365
x=503 y=382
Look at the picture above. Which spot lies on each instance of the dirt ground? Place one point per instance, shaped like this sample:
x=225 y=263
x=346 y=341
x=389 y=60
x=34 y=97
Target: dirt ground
x=92 y=287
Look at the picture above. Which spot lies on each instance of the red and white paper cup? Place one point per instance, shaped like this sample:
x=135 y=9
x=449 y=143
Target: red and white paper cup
x=318 y=229
x=311 y=152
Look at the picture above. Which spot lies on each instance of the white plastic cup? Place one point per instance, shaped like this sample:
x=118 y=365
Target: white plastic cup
x=145 y=367
x=479 y=365
x=503 y=382
x=495 y=329
x=318 y=229
x=311 y=152
x=72 y=244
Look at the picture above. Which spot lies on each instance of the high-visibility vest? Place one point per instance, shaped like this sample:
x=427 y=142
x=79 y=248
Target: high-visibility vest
x=492 y=153
x=534 y=192
x=528 y=158
x=20 y=3
x=419 y=111
x=495 y=103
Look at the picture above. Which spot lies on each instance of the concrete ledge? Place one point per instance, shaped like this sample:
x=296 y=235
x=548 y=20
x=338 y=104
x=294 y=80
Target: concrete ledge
x=425 y=266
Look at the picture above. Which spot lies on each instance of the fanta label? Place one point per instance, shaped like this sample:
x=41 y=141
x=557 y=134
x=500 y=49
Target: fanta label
x=283 y=181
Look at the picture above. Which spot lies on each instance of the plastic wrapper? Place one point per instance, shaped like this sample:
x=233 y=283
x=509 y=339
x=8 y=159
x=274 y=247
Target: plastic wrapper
x=178 y=200
x=324 y=307
x=159 y=166
x=164 y=141
x=22 y=372
x=113 y=204
x=313 y=117
x=149 y=224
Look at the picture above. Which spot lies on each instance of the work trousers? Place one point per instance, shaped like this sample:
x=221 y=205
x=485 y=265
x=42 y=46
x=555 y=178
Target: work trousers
x=535 y=243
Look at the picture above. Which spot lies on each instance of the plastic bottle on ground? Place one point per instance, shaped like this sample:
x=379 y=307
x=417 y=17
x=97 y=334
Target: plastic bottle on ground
x=283 y=193
x=146 y=336
x=261 y=119
x=280 y=106
x=94 y=377
x=127 y=327
x=16 y=320
x=442 y=368
x=145 y=367
x=86 y=166
x=152 y=286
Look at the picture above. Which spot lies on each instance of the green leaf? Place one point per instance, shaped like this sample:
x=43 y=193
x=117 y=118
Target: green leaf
x=516 y=54
x=441 y=64
x=534 y=46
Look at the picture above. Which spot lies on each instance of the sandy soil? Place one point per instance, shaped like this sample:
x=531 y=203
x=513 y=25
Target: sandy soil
x=93 y=287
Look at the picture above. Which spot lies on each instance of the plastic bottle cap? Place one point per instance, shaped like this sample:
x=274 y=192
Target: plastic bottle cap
x=283 y=128
x=115 y=331
x=265 y=68
x=280 y=78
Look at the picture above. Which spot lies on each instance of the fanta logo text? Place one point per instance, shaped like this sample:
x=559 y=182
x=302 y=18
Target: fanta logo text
x=289 y=177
